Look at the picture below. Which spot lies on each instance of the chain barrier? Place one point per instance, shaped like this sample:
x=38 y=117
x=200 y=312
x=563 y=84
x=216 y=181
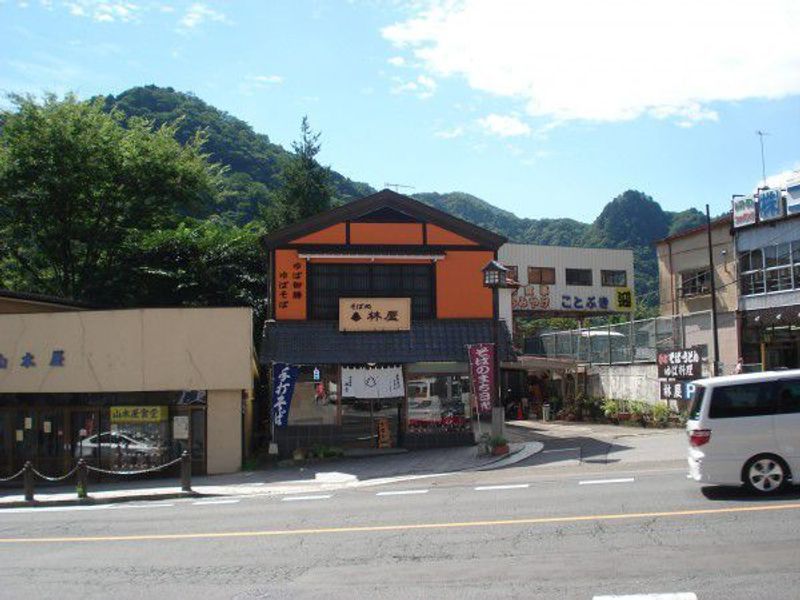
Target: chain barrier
x=139 y=472
x=55 y=479
x=13 y=477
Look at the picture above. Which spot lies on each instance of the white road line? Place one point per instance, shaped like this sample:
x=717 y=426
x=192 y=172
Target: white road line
x=293 y=498
x=32 y=509
x=152 y=505
x=212 y=502
x=676 y=596
x=402 y=493
x=515 y=486
x=596 y=481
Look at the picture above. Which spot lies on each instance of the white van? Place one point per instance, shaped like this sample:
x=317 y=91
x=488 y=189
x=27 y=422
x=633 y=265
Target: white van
x=745 y=429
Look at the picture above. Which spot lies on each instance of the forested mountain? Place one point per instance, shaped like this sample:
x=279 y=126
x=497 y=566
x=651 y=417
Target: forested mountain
x=252 y=187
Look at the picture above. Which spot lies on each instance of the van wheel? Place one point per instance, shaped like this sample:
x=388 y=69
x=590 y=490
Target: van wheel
x=765 y=474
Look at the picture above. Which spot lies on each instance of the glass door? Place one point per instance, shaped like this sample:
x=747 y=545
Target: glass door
x=5 y=444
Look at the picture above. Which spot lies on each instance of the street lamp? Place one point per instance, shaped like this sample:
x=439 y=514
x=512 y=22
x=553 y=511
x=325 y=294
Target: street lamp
x=495 y=276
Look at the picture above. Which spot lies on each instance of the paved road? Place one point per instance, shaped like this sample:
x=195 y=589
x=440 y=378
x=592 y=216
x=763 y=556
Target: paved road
x=561 y=530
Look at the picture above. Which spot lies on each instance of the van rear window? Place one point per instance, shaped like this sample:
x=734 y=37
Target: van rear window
x=746 y=400
x=696 y=393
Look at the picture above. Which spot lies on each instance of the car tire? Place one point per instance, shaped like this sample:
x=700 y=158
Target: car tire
x=765 y=474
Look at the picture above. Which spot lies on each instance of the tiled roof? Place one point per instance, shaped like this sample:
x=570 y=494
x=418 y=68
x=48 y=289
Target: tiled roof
x=321 y=342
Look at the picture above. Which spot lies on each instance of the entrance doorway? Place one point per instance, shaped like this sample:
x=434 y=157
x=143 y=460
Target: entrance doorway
x=372 y=422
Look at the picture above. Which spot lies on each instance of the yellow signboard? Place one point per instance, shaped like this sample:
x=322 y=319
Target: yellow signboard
x=374 y=314
x=139 y=414
x=623 y=299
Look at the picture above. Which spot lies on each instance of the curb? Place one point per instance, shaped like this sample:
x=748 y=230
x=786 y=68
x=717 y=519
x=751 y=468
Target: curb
x=91 y=501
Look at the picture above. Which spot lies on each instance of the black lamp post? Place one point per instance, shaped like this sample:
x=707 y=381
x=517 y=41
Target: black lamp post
x=495 y=276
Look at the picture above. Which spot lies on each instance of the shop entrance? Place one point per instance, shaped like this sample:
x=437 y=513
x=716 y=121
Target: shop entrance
x=38 y=436
x=372 y=422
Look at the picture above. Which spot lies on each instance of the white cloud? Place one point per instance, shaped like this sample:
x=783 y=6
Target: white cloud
x=779 y=180
x=423 y=86
x=397 y=61
x=449 y=134
x=504 y=125
x=259 y=82
x=198 y=13
x=610 y=61
x=104 y=11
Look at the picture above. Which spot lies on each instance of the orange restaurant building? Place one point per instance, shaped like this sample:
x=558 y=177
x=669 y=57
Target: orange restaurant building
x=375 y=302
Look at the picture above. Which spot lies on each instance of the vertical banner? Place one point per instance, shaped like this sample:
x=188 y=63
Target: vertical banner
x=481 y=371
x=283 y=379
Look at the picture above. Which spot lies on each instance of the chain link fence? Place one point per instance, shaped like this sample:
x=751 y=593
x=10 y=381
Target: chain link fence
x=631 y=342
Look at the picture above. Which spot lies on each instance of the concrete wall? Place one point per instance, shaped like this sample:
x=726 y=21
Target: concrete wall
x=690 y=253
x=627 y=382
x=128 y=350
x=224 y=431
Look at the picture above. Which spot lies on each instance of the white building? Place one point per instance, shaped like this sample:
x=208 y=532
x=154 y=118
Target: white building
x=559 y=281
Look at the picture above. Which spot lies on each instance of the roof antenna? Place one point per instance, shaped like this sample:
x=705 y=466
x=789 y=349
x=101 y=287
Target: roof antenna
x=761 y=135
x=397 y=186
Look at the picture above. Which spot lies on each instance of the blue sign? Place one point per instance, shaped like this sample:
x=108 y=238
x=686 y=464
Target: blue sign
x=283 y=379
x=770 y=205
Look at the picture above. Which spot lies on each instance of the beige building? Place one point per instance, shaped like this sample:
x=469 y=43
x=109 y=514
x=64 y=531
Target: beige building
x=685 y=287
x=126 y=389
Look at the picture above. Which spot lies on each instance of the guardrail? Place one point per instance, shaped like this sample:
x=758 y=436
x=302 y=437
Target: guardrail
x=81 y=470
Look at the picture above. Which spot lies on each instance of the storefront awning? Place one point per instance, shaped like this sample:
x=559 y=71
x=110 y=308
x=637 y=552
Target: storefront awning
x=321 y=342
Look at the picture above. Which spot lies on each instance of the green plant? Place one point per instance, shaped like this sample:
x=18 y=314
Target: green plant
x=81 y=491
x=639 y=411
x=661 y=414
x=611 y=408
x=497 y=441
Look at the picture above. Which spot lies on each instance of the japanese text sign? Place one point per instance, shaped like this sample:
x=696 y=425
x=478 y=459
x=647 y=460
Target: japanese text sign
x=138 y=414
x=283 y=379
x=374 y=314
x=481 y=371
x=744 y=211
x=676 y=390
x=770 y=205
x=679 y=364
x=623 y=299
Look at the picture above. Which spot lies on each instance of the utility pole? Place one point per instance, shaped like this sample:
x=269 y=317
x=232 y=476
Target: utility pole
x=761 y=135
x=715 y=367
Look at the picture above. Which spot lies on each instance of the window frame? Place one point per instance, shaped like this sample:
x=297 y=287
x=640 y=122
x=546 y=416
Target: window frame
x=611 y=273
x=763 y=272
x=574 y=271
x=696 y=289
x=541 y=272
x=766 y=394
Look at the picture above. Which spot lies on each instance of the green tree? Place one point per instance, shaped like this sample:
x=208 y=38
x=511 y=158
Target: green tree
x=307 y=188
x=78 y=185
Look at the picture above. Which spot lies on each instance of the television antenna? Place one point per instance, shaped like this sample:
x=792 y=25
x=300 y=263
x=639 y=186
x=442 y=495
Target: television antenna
x=761 y=135
x=397 y=186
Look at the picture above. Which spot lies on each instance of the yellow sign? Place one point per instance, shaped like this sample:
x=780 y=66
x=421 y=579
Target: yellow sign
x=623 y=299
x=374 y=314
x=138 y=414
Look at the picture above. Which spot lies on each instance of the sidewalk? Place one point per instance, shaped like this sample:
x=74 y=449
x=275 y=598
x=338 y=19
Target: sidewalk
x=314 y=477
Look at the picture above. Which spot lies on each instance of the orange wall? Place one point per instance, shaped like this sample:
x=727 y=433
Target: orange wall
x=438 y=235
x=290 y=285
x=459 y=286
x=386 y=233
x=335 y=234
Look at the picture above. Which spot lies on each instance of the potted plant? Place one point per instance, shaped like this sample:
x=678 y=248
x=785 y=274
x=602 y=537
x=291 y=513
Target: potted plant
x=611 y=409
x=623 y=412
x=498 y=445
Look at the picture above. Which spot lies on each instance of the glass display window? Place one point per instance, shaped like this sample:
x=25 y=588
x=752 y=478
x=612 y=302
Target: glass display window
x=438 y=403
x=316 y=396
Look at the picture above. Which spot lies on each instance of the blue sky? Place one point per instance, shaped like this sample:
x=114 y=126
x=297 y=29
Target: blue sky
x=541 y=108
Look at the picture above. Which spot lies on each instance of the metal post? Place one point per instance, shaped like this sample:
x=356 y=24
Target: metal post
x=498 y=415
x=186 y=472
x=715 y=366
x=83 y=490
x=27 y=478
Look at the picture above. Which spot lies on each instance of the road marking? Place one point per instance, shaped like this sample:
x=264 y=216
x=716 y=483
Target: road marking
x=596 y=481
x=212 y=502
x=559 y=450
x=678 y=596
x=408 y=527
x=319 y=497
x=30 y=509
x=402 y=493
x=511 y=486
x=151 y=505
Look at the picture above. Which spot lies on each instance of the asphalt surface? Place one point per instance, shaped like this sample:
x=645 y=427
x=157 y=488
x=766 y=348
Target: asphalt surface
x=563 y=528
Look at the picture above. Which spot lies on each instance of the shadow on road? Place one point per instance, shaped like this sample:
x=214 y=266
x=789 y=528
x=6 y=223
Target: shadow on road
x=584 y=449
x=721 y=493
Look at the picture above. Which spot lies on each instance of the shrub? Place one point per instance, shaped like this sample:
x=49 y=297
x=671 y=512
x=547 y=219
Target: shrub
x=611 y=408
x=661 y=414
x=497 y=441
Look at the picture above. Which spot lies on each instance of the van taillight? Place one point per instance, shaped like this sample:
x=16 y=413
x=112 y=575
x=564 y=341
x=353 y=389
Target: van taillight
x=698 y=437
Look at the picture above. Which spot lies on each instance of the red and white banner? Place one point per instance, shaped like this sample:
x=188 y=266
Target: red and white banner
x=481 y=371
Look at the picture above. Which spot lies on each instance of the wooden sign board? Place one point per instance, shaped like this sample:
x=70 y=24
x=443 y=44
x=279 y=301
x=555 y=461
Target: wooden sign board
x=374 y=314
